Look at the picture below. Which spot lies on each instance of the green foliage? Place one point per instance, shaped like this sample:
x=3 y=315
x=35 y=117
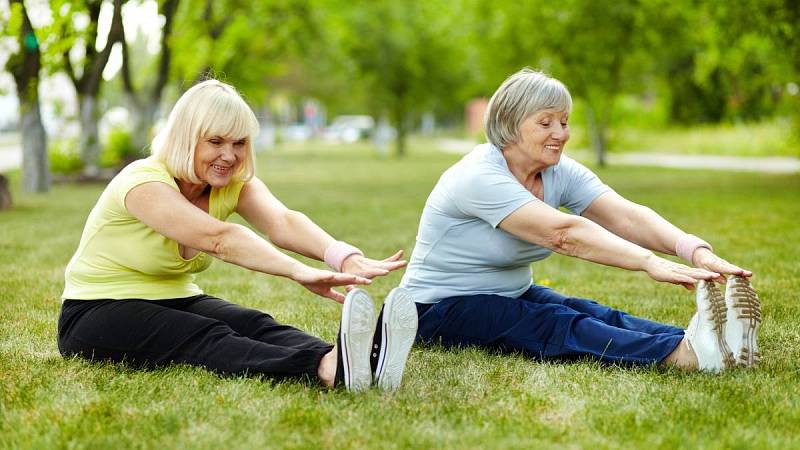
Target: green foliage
x=118 y=149
x=466 y=398
x=662 y=62
x=64 y=156
x=406 y=56
x=239 y=42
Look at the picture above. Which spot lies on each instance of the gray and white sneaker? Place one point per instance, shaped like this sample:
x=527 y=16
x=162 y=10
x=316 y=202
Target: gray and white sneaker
x=353 y=342
x=706 y=332
x=743 y=320
x=394 y=335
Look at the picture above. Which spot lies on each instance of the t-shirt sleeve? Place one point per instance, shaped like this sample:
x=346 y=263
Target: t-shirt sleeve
x=135 y=177
x=488 y=194
x=581 y=185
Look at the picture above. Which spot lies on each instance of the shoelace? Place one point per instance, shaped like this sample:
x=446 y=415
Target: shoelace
x=719 y=313
x=746 y=302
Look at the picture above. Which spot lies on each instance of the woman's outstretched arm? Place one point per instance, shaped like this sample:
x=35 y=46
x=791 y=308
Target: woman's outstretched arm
x=169 y=213
x=645 y=227
x=294 y=231
x=571 y=235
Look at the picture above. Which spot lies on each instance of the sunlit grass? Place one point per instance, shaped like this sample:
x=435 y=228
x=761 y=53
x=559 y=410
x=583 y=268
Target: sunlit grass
x=467 y=398
x=773 y=138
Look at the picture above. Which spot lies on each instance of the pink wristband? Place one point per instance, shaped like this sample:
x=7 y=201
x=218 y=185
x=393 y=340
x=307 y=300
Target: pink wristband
x=687 y=244
x=337 y=252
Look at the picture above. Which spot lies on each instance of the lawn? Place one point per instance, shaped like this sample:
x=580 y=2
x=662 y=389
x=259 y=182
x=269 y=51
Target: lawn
x=467 y=398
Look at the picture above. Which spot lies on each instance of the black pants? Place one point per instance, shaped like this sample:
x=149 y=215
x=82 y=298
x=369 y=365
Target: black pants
x=201 y=330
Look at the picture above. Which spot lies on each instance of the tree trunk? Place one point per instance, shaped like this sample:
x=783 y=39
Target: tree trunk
x=25 y=67
x=598 y=134
x=90 y=136
x=400 y=144
x=5 y=194
x=88 y=85
x=142 y=124
x=401 y=124
x=35 y=164
x=144 y=111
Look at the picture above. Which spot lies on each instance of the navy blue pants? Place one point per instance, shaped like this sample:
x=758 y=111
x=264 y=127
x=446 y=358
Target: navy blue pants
x=545 y=324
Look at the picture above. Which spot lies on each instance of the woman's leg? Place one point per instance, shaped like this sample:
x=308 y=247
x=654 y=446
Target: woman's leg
x=252 y=323
x=613 y=317
x=149 y=334
x=537 y=329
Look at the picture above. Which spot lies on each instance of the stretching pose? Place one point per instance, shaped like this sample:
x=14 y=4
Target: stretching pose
x=497 y=210
x=130 y=293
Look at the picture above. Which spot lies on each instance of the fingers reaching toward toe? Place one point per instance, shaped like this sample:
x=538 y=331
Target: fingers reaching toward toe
x=706 y=259
x=371 y=268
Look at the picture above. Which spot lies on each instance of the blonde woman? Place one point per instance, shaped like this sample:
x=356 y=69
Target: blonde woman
x=130 y=293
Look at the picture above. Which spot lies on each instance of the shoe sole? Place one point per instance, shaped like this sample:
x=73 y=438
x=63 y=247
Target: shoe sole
x=744 y=302
x=399 y=328
x=719 y=315
x=358 y=322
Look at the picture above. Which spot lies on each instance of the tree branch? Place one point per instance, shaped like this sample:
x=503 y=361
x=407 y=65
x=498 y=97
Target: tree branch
x=115 y=34
x=25 y=65
x=70 y=71
x=169 y=8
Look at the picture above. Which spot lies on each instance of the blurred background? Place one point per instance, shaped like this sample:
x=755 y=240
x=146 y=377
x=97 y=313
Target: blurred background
x=86 y=84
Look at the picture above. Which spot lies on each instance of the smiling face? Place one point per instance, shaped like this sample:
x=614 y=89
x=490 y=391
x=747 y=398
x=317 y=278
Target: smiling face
x=543 y=136
x=218 y=158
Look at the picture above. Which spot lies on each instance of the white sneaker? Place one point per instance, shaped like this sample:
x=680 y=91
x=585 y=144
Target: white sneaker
x=394 y=336
x=706 y=332
x=353 y=342
x=743 y=320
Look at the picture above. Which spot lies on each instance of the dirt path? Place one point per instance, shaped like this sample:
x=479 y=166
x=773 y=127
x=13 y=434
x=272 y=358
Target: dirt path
x=775 y=164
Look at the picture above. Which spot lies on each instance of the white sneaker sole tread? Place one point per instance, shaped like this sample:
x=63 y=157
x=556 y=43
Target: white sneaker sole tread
x=399 y=328
x=743 y=301
x=358 y=321
x=719 y=315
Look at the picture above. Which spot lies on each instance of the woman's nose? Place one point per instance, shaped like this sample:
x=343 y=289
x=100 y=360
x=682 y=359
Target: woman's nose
x=227 y=152
x=561 y=132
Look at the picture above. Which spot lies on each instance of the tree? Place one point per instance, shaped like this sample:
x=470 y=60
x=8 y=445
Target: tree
x=597 y=63
x=590 y=45
x=240 y=42
x=145 y=107
x=402 y=53
x=25 y=66
x=87 y=75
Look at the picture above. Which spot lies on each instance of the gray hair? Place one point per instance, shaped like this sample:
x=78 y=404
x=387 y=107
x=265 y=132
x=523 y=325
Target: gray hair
x=522 y=94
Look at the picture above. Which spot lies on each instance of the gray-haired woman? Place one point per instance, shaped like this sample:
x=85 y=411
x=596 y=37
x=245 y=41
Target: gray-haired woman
x=497 y=210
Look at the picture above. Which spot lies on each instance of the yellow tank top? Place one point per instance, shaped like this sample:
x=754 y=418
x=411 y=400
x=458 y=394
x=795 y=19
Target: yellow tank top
x=119 y=257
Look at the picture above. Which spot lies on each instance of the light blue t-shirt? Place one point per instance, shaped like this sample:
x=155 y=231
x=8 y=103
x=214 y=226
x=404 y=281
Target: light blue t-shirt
x=460 y=250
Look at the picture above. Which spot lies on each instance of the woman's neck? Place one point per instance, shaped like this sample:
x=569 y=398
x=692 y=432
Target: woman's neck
x=522 y=166
x=191 y=191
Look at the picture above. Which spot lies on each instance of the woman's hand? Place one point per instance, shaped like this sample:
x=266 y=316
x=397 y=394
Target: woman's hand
x=322 y=282
x=371 y=268
x=706 y=259
x=661 y=269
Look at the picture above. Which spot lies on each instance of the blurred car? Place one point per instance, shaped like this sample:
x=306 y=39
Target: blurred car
x=297 y=132
x=350 y=128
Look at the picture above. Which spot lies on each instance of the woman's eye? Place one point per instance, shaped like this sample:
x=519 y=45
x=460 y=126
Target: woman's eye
x=544 y=124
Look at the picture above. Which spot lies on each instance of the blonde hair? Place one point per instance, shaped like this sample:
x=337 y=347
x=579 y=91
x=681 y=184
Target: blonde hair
x=522 y=94
x=210 y=108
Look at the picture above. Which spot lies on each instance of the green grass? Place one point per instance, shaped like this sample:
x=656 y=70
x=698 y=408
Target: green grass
x=775 y=138
x=467 y=398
